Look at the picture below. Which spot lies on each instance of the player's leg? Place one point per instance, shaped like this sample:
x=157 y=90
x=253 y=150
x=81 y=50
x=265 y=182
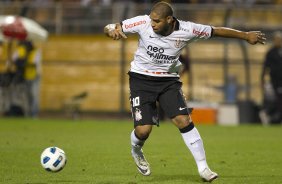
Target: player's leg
x=143 y=123
x=278 y=91
x=174 y=105
x=144 y=113
x=192 y=139
x=194 y=142
x=140 y=134
x=138 y=137
x=277 y=87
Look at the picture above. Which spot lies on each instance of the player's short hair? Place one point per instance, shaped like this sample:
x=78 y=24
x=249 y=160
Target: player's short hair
x=163 y=9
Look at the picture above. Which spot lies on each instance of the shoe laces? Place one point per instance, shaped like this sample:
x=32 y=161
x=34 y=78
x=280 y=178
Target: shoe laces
x=208 y=173
x=141 y=160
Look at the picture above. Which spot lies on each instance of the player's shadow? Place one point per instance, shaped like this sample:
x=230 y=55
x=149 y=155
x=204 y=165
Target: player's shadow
x=64 y=181
x=192 y=179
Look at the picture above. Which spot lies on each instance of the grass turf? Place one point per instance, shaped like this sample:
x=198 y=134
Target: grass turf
x=98 y=151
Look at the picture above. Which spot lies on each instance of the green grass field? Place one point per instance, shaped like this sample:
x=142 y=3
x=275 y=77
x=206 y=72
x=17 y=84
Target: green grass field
x=98 y=151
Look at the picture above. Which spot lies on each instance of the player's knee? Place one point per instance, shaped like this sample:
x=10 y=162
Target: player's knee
x=182 y=121
x=142 y=135
x=143 y=132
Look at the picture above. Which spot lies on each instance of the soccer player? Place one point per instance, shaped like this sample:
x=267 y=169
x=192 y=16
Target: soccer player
x=272 y=67
x=153 y=77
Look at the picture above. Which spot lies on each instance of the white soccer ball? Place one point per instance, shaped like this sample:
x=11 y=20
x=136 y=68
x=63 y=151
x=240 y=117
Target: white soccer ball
x=53 y=159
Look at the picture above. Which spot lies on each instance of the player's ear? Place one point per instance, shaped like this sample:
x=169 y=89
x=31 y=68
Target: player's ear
x=169 y=19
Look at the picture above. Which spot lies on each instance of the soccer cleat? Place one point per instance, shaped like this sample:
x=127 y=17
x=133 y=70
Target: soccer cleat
x=208 y=175
x=142 y=165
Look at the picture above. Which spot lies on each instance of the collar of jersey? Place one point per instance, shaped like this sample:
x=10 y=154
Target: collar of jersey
x=177 y=24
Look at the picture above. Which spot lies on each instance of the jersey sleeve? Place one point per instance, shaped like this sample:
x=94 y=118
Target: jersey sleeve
x=135 y=24
x=200 y=31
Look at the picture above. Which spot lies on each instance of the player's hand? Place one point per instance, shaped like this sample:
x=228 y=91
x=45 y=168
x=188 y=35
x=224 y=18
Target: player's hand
x=116 y=34
x=254 y=37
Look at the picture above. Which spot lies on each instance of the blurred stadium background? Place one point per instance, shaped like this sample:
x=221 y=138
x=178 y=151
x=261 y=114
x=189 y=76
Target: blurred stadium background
x=78 y=60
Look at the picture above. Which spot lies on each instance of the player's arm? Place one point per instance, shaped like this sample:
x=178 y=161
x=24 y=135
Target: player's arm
x=253 y=37
x=114 y=31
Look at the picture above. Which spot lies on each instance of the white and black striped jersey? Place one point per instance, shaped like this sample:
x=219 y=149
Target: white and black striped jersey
x=158 y=55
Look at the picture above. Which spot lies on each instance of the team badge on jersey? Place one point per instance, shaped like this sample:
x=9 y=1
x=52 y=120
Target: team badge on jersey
x=178 y=43
x=138 y=115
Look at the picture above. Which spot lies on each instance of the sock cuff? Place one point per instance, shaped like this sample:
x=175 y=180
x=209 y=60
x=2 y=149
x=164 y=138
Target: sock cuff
x=187 y=128
x=135 y=140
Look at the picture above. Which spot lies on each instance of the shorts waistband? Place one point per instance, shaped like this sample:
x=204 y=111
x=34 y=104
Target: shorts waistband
x=148 y=77
x=158 y=73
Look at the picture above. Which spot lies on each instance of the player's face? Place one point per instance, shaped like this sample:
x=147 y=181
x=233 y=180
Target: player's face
x=159 y=24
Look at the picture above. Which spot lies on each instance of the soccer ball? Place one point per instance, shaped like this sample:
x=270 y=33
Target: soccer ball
x=53 y=159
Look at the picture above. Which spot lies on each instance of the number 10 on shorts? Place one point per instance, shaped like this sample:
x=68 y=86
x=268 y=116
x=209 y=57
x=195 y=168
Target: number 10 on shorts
x=135 y=101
